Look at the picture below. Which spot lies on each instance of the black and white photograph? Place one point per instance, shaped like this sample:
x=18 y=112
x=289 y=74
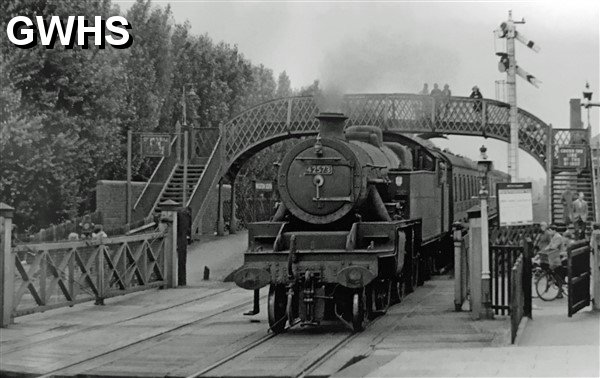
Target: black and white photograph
x=286 y=188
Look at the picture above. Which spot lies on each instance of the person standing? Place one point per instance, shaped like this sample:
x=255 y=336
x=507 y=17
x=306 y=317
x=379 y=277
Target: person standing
x=425 y=108
x=184 y=237
x=446 y=93
x=476 y=94
x=567 y=201
x=543 y=238
x=580 y=215
x=436 y=93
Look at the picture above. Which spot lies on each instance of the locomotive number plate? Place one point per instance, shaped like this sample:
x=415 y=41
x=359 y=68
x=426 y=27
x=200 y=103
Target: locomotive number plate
x=319 y=170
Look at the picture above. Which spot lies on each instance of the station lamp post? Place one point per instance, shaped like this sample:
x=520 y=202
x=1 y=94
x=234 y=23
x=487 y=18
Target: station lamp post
x=184 y=101
x=484 y=166
x=587 y=103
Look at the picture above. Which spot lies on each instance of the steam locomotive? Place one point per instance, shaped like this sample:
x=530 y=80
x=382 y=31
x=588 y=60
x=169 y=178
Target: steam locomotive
x=363 y=220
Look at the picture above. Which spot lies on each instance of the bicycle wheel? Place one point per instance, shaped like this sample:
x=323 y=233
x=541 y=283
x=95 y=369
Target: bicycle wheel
x=546 y=287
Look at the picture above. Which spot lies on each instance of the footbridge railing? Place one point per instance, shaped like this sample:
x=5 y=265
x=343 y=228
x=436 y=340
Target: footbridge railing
x=403 y=113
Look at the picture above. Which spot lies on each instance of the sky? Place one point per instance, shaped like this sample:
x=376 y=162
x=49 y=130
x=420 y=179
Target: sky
x=396 y=46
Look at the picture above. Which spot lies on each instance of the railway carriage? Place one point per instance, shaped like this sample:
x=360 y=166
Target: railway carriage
x=363 y=220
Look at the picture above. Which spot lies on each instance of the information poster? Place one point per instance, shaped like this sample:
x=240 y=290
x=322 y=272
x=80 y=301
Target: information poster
x=515 y=203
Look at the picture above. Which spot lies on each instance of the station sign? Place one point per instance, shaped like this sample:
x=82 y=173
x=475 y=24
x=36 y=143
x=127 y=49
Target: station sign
x=263 y=186
x=572 y=157
x=155 y=145
x=515 y=203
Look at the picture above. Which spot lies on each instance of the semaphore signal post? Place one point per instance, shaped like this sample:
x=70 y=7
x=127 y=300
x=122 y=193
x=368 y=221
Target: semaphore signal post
x=509 y=65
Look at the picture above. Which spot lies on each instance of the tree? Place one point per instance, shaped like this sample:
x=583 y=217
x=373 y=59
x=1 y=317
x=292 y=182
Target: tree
x=64 y=121
x=284 y=85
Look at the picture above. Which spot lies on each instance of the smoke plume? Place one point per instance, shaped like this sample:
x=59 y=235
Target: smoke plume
x=380 y=63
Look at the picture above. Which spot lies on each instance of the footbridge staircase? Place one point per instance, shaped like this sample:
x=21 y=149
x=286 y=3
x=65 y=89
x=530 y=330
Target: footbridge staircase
x=572 y=171
x=221 y=153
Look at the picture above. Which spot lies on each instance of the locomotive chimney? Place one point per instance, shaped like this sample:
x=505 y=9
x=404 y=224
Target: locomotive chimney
x=332 y=125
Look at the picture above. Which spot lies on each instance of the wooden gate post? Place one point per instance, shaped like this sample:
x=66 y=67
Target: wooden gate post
x=458 y=273
x=475 y=261
x=595 y=245
x=7 y=262
x=526 y=280
x=168 y=217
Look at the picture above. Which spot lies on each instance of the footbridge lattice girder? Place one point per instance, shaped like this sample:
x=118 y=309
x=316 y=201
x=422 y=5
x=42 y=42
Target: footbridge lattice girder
x=252 y=130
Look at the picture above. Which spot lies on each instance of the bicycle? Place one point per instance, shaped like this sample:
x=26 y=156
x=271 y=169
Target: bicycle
x=550 y=282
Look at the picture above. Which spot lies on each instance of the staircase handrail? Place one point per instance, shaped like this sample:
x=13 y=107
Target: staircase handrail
x=161 y=173
x=210 y=173
x=162 y=190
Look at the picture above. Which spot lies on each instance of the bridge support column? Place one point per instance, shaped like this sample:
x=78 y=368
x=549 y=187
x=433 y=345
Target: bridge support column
x=220 y=217
x=7 y=264
x=232 y=219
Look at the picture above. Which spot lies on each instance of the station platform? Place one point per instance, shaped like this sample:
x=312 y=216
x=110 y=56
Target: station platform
x=550 y=345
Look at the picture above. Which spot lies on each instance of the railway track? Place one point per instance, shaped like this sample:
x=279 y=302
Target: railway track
x=88 y=364
x=303 y=350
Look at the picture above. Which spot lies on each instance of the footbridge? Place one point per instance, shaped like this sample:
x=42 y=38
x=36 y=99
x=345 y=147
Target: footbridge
x=266 y=124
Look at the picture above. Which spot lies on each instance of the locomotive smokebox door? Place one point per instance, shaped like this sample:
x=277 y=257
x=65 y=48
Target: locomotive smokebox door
x=327 y=181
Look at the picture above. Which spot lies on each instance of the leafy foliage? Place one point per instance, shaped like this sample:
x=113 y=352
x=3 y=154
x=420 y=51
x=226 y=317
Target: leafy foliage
x=65 y=113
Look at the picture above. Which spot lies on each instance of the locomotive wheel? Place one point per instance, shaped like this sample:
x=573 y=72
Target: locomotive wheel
x=415 y=277
x=358 y=312
x=277 y=304
x=381 y=298
x=397 y=290
x=411 y=279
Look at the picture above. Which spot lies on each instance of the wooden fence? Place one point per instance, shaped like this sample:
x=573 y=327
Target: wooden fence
x=41 y=276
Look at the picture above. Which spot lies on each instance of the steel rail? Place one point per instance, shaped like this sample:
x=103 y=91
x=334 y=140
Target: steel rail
x=203 y=319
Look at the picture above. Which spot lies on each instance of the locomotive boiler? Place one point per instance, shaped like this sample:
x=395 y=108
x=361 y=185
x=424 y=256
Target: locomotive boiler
x=362 y=221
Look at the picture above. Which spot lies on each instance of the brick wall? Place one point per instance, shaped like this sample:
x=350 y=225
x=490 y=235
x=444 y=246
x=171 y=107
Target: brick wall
x=110 y=200
x=111 y=195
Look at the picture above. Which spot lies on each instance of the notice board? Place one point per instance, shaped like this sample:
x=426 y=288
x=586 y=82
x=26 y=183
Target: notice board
x=155 y=145
x=571 y=157
x=515 y=203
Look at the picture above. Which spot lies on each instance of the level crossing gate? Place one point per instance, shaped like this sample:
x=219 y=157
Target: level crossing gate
x=40 y=276
x=579 y=276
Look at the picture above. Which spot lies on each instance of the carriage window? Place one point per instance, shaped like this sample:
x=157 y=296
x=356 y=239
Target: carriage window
x=455 y=185
x=470 y=187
